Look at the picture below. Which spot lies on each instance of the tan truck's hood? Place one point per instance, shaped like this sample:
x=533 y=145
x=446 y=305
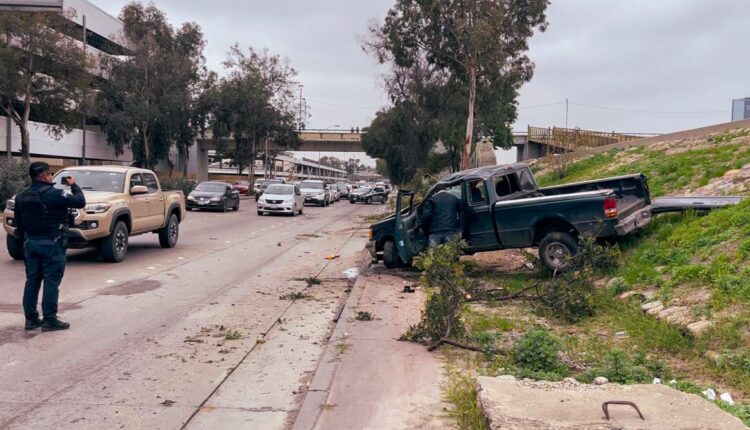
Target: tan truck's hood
x=101 y=196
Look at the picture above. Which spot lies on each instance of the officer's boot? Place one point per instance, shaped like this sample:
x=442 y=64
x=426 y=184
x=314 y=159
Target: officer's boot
x=33 y=323
x=53 y=324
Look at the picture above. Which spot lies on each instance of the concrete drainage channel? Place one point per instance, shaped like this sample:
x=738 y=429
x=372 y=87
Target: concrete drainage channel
x=317 y=392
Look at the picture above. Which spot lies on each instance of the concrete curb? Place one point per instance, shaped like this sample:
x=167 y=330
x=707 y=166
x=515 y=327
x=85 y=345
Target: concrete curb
x=317 y=392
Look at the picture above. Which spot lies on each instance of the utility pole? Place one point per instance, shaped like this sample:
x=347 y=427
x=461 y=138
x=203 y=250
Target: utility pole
x=83 y=104
x=566 y=113
x=301 y=120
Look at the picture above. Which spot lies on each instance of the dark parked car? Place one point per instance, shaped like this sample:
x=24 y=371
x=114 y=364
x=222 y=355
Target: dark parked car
x=368 y=195
x=214 y=195
x=344 y=190
x=264 y=184
x=504 y=208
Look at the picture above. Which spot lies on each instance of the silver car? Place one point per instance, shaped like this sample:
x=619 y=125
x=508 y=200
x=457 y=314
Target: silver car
x=315 y=192
x=283 y=199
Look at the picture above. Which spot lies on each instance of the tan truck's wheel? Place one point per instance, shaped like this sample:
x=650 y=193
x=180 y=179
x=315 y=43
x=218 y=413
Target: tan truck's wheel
x=15 y=247
x=115 y=246
x=170 y=233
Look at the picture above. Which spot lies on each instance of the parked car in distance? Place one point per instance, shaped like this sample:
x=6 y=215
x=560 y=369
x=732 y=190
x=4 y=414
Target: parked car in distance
x=334 y=192
x=241 y=186
x=368 y=195
x=214 y=195
x=344 y=189
x=315 y=192
x=282 y=198
x=120 y=202
x=265 y=183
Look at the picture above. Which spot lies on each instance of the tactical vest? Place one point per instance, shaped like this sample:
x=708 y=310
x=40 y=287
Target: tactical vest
x=33 y=209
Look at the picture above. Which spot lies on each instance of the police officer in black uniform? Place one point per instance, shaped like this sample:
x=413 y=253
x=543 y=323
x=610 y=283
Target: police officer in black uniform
x=42 y=214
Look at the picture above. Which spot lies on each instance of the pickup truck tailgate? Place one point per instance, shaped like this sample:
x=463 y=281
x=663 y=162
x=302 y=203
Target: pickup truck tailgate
x=699 y=203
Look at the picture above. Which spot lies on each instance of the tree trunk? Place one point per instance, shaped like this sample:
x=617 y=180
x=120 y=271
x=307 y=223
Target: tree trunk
x=251 y=170
x=25 y=151
x=146 y=152
x=467 y=150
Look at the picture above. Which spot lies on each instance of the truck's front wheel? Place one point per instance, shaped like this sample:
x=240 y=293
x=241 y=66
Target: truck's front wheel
x=391 y=258
x=169 y=234
x=556 y=250
x=15 y=247
x=115 y=246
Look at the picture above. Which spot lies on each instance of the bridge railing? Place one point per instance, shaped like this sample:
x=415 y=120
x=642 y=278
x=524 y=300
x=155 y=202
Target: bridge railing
x=573 y=139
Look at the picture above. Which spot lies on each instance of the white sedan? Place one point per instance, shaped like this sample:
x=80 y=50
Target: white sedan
x=283 y=199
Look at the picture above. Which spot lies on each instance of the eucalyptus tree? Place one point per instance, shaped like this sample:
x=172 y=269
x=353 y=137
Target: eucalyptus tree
x=481 y=43
x=149 y=101
x=42 y=73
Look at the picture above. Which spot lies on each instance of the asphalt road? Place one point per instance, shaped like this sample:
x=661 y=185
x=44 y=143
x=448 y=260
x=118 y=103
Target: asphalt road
x=198 y=336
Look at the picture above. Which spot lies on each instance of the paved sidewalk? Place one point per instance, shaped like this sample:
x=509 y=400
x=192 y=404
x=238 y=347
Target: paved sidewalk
x=377 y=381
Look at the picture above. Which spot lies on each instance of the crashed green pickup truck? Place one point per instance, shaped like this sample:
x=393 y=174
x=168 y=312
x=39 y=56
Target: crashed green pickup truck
x=503 y=208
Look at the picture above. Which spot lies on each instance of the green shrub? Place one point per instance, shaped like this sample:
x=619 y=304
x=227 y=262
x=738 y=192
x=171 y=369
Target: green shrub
x=570 y=295
x=14 y=177
x=445 y=273
x=619 y=367
x=537 y=352
x=178 y=183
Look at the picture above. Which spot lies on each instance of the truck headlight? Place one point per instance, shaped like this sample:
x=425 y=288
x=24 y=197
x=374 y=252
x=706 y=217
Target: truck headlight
x=97 y=208
x=10 y=204
x=190 y=197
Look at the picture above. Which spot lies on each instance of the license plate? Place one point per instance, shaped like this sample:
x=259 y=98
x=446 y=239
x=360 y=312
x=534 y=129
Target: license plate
x=273 y=206
x=202 y=203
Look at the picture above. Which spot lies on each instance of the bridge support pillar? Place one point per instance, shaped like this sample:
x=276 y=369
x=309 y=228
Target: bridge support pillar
x=201 y=173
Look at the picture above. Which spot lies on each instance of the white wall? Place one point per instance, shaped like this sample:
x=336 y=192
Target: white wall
x=69 y=146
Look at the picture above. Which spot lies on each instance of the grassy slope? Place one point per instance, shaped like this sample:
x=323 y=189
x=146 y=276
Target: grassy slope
x=676 y=255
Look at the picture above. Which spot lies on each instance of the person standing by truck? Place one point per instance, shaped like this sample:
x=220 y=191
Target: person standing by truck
x=442 y=217
x=41 y=213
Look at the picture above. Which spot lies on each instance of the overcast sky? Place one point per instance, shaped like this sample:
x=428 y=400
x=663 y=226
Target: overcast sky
x=629 y=66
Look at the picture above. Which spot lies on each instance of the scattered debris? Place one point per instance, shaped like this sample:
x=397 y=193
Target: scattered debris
x=656 y=381
x=232 y=335
x=710 y=394
x=409 y=289
x=167 y=402
x=726 y=398
x=330 y=257
x=363 y=316
x=294 y=296
x=351 y=272
x=600 y=380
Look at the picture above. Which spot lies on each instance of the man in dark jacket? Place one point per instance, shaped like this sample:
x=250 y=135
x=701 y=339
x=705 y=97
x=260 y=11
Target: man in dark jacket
x=41 y=213
x=442 y=215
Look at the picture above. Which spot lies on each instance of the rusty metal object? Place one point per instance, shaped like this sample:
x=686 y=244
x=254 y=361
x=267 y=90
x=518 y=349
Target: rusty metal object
x=606 y=404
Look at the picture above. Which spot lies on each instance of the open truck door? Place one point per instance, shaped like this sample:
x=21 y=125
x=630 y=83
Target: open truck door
x=410 y=240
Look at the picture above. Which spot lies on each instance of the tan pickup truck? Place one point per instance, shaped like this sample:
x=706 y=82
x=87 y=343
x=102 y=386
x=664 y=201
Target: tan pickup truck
x=120 y=202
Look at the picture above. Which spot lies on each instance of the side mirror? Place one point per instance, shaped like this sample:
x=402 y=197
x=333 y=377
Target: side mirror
x=138 y=190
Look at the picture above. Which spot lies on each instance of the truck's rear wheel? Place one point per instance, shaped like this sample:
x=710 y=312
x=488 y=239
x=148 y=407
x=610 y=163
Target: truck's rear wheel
x=169 y=234
x=556 y=250
x=115 y=246
x=15 y=247
x=391 y=258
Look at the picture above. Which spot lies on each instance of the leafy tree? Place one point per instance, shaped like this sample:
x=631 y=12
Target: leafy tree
x=254 y=103
x=481 y=43
x=150 y=101
x=42 y=73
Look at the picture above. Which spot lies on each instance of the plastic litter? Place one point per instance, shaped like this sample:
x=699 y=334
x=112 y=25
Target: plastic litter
x=332 y=256
x=710 y=394
x=673 y=382
x=656 y=381
x=727 y=398
x=351 y=273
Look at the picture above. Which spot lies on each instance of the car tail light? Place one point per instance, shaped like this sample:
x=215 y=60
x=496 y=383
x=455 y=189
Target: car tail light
x=610 y=207
x=369 y=235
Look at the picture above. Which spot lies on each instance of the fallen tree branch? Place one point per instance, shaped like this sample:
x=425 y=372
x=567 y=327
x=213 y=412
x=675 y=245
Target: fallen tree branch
x=455 y=343
x=520 y=294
